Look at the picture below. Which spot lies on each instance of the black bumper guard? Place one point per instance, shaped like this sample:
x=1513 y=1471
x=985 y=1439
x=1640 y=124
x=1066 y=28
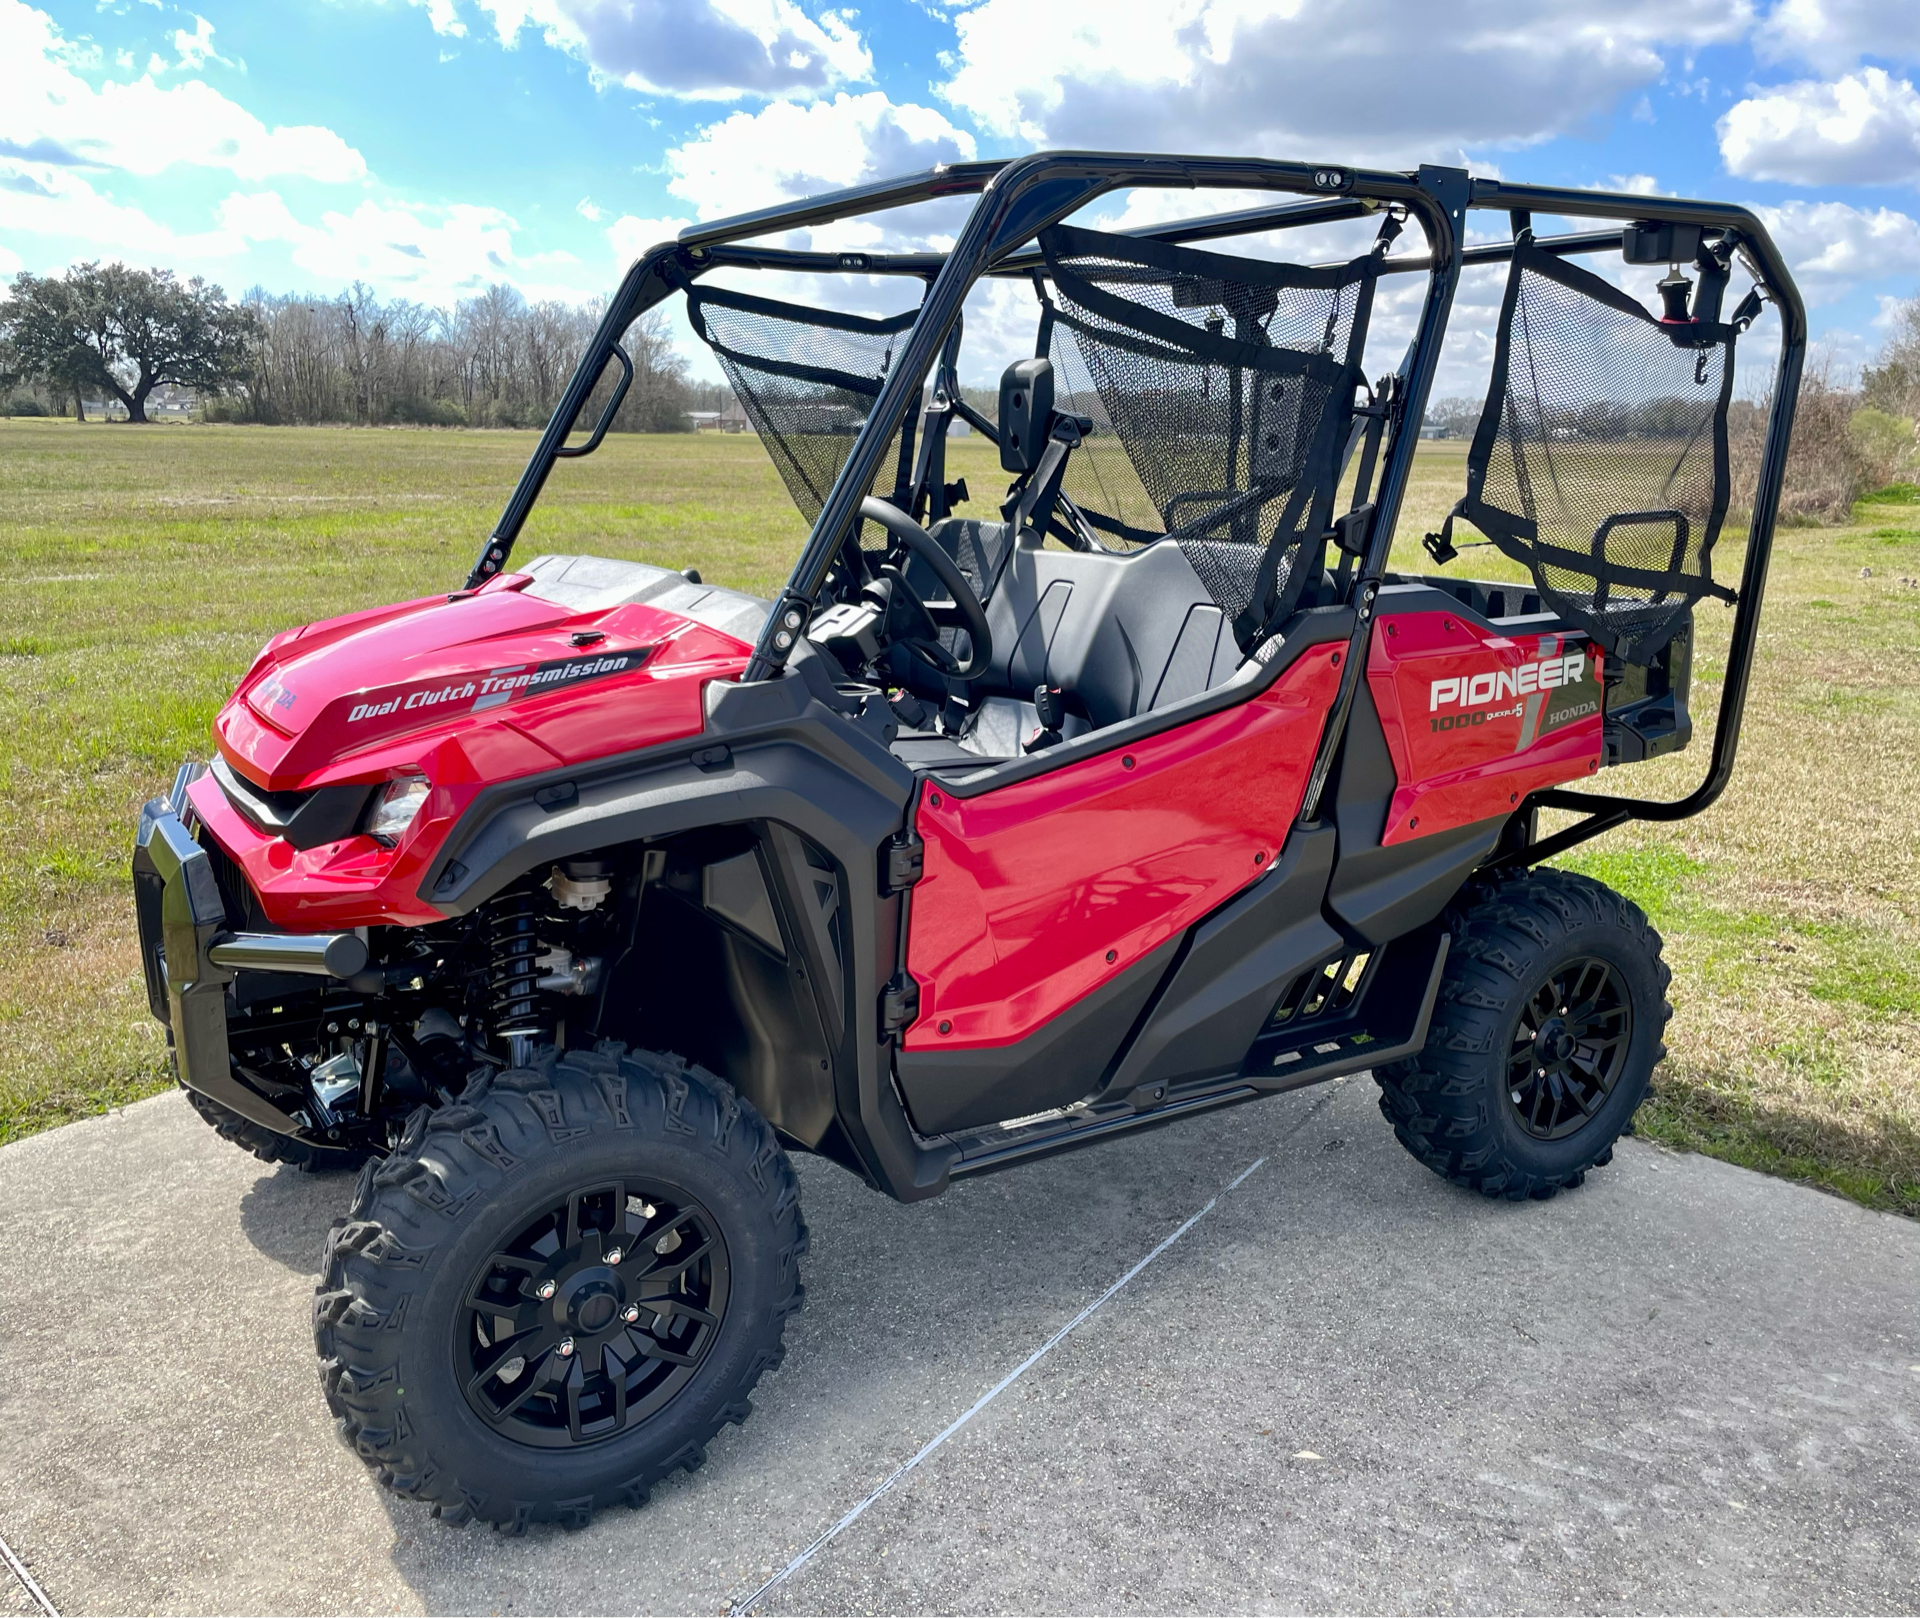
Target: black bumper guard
x=190 y=955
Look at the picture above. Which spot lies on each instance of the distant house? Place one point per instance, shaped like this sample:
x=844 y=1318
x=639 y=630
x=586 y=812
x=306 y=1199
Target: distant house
x=168 y=403
x=730 y=419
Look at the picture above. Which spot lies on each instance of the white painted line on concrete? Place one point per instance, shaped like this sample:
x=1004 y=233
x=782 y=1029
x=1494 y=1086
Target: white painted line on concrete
x=20 y=1572
x=886 y=1484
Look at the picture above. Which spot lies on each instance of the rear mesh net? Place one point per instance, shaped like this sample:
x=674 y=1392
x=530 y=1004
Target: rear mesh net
x=1600 y=461
x=1220 y=391
x=806 y=378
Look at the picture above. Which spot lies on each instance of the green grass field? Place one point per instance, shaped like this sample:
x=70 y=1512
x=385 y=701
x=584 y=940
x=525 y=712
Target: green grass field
x=146 y=566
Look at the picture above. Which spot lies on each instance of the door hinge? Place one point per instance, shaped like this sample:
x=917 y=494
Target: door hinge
x=899 y=1005
x=905 y=858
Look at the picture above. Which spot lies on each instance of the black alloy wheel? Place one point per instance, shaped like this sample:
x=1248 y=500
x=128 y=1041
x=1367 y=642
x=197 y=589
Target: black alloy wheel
x=1569 y=1048
x=555 y=1290
x=594 y=1315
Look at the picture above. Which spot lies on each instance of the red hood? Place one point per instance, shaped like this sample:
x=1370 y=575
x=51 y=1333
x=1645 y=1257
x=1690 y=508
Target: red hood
x=534 y=671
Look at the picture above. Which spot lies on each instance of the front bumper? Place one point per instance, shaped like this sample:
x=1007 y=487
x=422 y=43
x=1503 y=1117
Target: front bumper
x=190 y=953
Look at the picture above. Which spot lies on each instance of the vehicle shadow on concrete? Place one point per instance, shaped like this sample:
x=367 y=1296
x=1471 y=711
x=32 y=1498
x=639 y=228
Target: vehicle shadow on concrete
x=287 y=1212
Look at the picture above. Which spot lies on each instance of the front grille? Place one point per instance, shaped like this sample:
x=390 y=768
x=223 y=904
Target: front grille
x=236 y=892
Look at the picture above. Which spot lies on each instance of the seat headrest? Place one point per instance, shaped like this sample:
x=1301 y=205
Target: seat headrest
x=1026 y=413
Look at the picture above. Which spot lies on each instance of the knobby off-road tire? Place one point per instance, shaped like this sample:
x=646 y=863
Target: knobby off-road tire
x=444 y=1221
x=1486 y=1104
x=268 y=1146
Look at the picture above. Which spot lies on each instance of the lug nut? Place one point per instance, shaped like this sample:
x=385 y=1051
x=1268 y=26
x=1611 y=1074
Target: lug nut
x=566 y=1348
x=547 y=1289
x=631 y=1313
x=615 y=1254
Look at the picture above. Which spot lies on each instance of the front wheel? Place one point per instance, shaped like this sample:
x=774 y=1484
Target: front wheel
x=1546 y=1032
x=559 y=1288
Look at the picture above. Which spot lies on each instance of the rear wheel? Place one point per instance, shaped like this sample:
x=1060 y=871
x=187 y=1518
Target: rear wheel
x=1546 y=1032
x=559 y=1288
x=269 y=1145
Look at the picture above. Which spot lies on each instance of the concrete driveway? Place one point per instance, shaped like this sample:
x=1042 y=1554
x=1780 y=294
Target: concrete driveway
x=1346 y=1386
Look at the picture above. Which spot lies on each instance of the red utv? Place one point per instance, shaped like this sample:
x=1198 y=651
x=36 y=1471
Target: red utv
x=570 y=902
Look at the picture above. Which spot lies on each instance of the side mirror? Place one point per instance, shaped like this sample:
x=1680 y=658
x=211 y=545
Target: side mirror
x=1026 y=413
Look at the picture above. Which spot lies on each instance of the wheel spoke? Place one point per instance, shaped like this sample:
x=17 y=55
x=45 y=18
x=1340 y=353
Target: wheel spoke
x=520 y=1397
x=524 y=1317
x=576 y=1384
x=481 y=1299
x=677 y=1262
x=616 y=1371
x=1545 y=1102
x=539 y=1361
x=657 y=1350
x=673 y=1306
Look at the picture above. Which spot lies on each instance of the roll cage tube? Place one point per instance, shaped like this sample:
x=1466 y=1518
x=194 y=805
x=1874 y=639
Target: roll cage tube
x=1020 y=198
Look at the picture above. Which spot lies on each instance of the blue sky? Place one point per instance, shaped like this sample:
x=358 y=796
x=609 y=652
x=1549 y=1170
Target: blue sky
x=430 y=147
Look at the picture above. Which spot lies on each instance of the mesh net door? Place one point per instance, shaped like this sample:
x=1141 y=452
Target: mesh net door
x=1220 y=391
x=1600 y=461
x=806 y=378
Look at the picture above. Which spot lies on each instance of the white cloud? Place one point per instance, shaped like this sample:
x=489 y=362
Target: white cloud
x=1832 y=248
x=432 y=254
x=1639 y=185
x=1892 y=312
x=1833 y=35
x=196 y=48
x=443 y=18
x=1371 y=80
x=790 y=149
x=1863 y=129
x=696 y=49
x=590 y=210
x=630 y=237
x=54 y=200
x=49 y=113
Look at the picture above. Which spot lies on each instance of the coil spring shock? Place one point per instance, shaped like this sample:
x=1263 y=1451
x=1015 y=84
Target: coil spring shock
x=513 y=946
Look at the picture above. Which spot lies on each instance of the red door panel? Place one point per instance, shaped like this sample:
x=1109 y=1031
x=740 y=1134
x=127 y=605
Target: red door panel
x=1037 y=893
x=1474 y=722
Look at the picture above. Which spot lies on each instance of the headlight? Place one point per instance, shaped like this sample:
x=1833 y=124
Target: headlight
x=398 y=803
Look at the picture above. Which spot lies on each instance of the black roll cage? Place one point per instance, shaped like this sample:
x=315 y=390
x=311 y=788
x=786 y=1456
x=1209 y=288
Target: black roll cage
x=1021 y=197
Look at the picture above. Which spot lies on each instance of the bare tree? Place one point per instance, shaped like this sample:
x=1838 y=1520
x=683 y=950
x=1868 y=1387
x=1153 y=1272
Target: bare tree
x=1892 y=382
x=492 y=360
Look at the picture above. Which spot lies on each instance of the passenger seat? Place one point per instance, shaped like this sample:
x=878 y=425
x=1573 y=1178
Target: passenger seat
x=1120 y=633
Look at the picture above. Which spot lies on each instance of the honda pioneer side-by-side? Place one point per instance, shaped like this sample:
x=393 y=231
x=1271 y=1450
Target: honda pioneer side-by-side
x=566 y=904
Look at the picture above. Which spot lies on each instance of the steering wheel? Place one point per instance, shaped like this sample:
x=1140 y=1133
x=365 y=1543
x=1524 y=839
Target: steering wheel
x=972 y=616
